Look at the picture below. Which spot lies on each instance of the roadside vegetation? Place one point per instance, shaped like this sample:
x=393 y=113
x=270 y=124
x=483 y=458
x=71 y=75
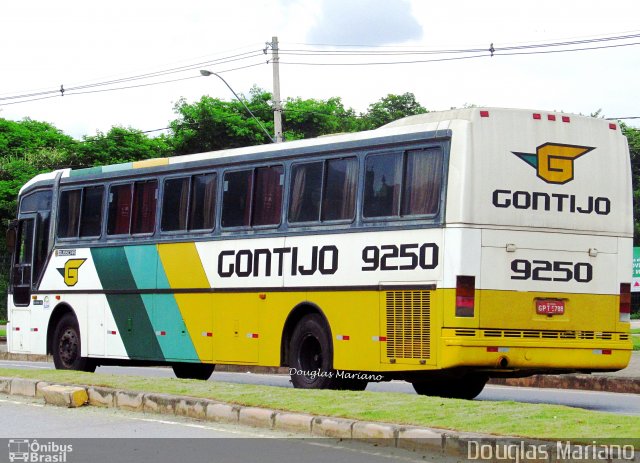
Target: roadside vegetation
x=500 y=418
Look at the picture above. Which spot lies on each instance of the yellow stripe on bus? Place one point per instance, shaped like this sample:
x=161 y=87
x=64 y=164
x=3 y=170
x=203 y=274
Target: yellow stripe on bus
x=151 y=163
x=184 y=269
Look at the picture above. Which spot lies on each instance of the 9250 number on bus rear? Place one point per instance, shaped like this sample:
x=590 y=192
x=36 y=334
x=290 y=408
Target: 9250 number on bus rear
x=544 y=270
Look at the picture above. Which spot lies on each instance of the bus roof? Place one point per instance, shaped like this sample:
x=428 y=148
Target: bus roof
x=428 y=122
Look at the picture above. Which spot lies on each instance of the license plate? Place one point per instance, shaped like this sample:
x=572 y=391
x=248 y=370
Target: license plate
x=549 y=307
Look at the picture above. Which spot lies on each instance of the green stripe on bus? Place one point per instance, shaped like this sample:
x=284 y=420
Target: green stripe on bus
x=168 y=326
x=129 y=310
x=86 y=171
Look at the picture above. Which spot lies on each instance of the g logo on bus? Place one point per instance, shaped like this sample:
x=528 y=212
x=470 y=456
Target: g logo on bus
x=70 y=271
x=553 y=161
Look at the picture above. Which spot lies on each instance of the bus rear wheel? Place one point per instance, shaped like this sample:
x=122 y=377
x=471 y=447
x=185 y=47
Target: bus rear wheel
x=311 y=357
x=66 y=347
x=202 y=371
x=467 y=387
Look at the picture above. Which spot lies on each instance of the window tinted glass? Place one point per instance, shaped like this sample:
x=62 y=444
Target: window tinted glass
x=175 y=204
x=203 y=202
x=144 y=207
x=236 y=200
x=37 y=201
x=339 y=199
x=267 y=202
x=119 y=210
x=304 y=192
x=382 y=185
x=423 y=182
x=91 y=218
x=69 y=213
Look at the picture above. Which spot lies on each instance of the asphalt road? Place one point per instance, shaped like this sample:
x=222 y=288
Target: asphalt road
x=627 y=404
x=96 y=435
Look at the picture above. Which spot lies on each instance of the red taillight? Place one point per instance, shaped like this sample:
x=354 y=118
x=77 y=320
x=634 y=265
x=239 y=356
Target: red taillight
x=484 y=113
x=625 y=302
x=566 y=119
x=612 y=126
x=551 y=117
x=537 y=116
x=465 y=296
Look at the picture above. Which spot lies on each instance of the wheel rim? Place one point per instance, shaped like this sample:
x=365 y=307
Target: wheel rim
x=68 y=347
x=310 y=356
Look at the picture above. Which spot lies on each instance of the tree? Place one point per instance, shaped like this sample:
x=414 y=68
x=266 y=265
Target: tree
x=391 y=108
x=633 y=138
x=120 y=145
x=311 y=118
x=18 y=138
x=213 y=124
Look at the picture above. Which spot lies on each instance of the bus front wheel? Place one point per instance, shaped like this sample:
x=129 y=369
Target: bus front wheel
x=202 y=371
x=67 y=348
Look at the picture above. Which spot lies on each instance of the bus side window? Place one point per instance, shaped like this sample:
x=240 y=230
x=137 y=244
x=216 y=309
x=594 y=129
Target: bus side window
x=69 y=215
x=339 y=196
x=236 y=199
x=175 y=204
x=305 y=192
x=383 y=173
x=202 y=210
x=119 y=210
x=267 y=197
x=144 y=207
x=422 y=183
x=91 y=216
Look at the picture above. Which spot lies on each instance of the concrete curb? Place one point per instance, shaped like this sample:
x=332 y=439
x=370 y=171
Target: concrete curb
x=582 y=382
x=433 y=441
x=599 y=382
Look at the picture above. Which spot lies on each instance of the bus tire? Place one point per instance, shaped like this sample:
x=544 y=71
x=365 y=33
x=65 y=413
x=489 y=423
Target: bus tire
x=467 y=387
x=311 y=355
x=202 y=371
x=66 y=347
x=353 y=384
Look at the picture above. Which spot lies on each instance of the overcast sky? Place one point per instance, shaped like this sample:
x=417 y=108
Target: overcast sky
x=72 y=43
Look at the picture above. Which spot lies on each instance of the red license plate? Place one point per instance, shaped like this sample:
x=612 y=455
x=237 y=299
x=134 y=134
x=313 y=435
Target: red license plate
x=549 y=307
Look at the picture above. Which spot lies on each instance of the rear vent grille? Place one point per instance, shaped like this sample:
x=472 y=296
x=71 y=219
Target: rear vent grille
x=466 y=333
x=408 y=324
x=540 y=334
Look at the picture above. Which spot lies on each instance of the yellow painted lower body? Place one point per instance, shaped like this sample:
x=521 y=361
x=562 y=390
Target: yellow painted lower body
x=377 y=331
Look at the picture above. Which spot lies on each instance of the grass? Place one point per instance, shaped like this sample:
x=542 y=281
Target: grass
x=3 y=332
x=501 y=418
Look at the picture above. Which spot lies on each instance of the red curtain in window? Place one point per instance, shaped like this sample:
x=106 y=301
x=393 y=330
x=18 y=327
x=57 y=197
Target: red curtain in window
x=268 y=196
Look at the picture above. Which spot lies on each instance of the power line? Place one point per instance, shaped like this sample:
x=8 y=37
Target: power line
x=190 y=67
x=72 y=91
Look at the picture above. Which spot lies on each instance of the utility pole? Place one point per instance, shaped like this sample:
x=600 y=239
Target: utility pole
x=277 y=105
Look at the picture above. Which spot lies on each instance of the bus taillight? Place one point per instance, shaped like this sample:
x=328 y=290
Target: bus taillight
x=625 y=302
x=465 y=296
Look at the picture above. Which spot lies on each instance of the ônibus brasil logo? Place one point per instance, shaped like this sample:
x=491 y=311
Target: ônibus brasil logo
x=553 y=161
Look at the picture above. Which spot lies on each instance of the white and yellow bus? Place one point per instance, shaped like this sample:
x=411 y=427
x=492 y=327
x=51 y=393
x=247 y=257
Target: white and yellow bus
x=442 y=249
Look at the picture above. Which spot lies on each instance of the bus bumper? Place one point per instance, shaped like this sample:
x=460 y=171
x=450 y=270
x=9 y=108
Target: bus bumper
x=552 y=356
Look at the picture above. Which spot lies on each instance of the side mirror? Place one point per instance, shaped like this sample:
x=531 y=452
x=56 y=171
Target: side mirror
x=12 y=236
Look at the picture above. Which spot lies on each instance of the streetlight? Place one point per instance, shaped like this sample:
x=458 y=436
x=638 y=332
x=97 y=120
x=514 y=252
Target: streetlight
x=206 y=73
